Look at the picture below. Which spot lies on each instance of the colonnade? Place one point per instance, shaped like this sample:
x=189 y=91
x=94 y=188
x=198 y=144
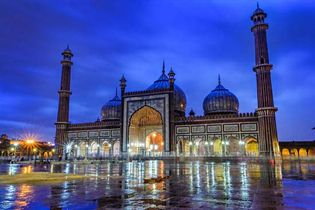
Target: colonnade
x=218 y=147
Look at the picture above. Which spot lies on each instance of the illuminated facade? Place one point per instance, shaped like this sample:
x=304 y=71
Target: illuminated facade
x=154 y=121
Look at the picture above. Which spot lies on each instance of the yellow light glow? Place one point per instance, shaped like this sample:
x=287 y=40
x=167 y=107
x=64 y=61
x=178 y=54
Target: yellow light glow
x=30 y=141
x=15 y=143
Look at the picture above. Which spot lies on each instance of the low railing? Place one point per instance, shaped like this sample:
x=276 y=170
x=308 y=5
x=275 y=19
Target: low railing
x=217 y=116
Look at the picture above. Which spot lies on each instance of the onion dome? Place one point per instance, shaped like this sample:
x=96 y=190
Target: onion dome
x=220 y=101
x=112 y=109
x=179 y=95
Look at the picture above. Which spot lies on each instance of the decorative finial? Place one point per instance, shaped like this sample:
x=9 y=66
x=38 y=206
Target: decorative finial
x=257 y=5
x=163 y=68
x=171 y=73
x=68 y=48
x=123 y=79
x=116 y=92
x=191 y=113
x=67 y=54
x=219 y=79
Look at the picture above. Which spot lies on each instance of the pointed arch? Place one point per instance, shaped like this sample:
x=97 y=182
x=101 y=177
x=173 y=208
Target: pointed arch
x=146 y=115
x=251 y=146
x=145 y=124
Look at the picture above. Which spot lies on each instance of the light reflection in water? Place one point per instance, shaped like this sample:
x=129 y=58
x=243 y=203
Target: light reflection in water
x=27 y=169
x=13 y=168
x=244 y=180
x=24 y=194
x=193 y=184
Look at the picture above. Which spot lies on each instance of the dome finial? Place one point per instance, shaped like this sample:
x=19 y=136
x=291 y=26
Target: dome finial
x=116 y=92
x=219 y=79
x=163 y=67
x=191 y=113
x=257 y=5
x=123 y=79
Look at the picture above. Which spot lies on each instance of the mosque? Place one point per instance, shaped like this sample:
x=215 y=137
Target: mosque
x=153 y=121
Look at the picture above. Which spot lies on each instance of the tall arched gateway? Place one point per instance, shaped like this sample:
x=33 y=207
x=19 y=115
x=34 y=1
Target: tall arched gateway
x=146 y=132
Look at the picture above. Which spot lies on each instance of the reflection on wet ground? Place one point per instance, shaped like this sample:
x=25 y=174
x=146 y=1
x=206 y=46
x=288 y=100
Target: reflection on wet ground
x=192 y=185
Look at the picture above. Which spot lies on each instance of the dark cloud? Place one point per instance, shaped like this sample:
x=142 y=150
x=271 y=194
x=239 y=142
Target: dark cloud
x=200 y=39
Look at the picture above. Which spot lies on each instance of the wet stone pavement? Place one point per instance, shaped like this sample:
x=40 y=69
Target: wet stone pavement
x=192 y=185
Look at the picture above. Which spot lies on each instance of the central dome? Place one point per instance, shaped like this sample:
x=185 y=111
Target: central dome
x=179 y=95
x=220 y=101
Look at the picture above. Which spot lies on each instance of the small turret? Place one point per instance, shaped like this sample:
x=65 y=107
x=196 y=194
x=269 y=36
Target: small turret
x=191 y=113
x=171 y=76
x=67 y=54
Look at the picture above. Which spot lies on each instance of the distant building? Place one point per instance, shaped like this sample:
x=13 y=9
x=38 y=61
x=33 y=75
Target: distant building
x=154 y=122
x=297 y=149
x=23 y=147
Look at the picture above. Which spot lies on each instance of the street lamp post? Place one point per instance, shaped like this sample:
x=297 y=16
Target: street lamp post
x=197 y=149
x=190 y=148
x=224 y=146
x=241 y=143
x=207 y=147
x=30 y=143
x=34 y=152
x=75 y=151
x=86 y=151
x=212 y=148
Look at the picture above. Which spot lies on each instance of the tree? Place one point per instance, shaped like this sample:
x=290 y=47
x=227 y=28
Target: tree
x=4 y=143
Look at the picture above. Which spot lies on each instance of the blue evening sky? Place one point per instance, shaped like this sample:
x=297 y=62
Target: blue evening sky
x=199 y=39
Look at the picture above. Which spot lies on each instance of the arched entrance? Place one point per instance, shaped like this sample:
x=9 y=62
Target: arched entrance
x=202 y=148
x=146 y=132
x=93 y=149
x=233 y=147
x=217 y=147
x=302 y=152
x=116 y=148
x=311 y=152
x=285 y=152
x=183 y=147
x=105 y=151
x=251 y=147
x=154 y=143
x=82 y=149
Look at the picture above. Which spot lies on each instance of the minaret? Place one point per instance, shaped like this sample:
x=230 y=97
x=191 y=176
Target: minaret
x=64 y=99
x=268 y=138
x=123 y=85
x=172 y=142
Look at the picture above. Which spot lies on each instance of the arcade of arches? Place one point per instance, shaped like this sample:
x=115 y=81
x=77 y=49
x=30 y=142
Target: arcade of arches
x=94 y=149
x=297 y=149
x=216 y=147
x=298 y=152
x=146 y=132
